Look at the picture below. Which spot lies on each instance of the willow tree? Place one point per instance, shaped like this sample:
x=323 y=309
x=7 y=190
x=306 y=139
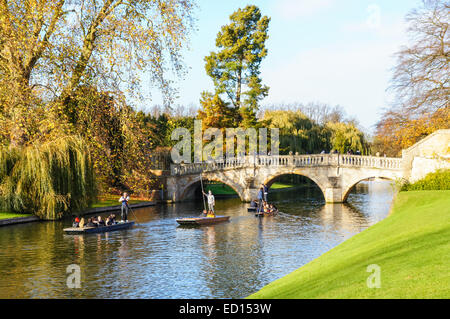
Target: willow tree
x=49 y=48
x=235 y=68
x=347 y=137
x=298 y=133
x=49 y=180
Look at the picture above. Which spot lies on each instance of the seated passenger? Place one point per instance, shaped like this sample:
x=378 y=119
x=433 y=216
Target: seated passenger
x=82 y=223
x=90 y=223
x=76 y=223
x=100 y=221
x=253 y=204
x=108 y=221
x=273 y=209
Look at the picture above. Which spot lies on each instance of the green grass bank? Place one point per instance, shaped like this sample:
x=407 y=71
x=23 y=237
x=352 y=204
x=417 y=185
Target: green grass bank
x=109 y=200
x=411 y=247
x=6 y=215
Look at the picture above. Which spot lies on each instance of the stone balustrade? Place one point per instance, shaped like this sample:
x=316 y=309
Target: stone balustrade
x=335 y=160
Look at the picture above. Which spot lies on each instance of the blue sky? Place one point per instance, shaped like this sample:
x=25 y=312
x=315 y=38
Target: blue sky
x=330 y=51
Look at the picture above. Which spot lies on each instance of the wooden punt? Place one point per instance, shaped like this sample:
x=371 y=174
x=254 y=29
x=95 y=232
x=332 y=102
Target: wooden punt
x=261 y=214
x=251 y=209
x=200 y=221
x=93 y=230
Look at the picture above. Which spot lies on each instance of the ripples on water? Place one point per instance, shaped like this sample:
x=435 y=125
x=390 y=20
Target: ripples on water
x=159 y=259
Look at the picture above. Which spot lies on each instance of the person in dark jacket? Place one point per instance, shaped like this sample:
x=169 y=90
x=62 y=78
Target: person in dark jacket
x=260 y=198
x=266 y=191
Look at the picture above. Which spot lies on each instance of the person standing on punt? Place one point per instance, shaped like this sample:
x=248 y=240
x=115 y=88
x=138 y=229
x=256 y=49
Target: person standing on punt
x=211 y=202
x=260 y=199
x=124 y=200
x=266 y=191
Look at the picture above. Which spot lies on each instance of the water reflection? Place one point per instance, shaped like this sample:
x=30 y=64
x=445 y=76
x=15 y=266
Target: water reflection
x=158 y=259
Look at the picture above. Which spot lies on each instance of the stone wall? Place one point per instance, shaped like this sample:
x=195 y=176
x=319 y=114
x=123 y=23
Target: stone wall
x=426 y=156
x=422 y=166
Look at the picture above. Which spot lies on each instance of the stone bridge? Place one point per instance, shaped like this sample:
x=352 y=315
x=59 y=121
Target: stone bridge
x=334 y=174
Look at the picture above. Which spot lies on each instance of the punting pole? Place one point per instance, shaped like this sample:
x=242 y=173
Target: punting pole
x=137 y=220
x=203 y=195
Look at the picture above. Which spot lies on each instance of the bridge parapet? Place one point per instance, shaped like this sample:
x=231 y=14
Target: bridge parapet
x=370 y=162
x=197 y=168
x=332 y=160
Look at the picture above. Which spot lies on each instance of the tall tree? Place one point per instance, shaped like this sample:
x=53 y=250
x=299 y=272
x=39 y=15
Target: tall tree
x=216 y=113
x=421 y=77
x=421 y=81
x=397 y=132
x=49 y=48
x=235 y=68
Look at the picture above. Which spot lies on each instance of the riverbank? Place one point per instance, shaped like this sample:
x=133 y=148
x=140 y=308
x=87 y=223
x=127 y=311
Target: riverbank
x=21 y=219
x=6 y=215
x=411 y=247
x=105 y=204
x=115 y=208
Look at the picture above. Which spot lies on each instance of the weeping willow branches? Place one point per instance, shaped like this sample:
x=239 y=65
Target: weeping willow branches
x=49 y=180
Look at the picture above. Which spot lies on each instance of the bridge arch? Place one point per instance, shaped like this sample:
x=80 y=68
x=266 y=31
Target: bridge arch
x=346 y=191
x=187 y=190
x=270 y=179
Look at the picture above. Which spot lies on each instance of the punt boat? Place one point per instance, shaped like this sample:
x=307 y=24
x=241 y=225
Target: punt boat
x=262 y=214
x=200 y=221
x=102 y=229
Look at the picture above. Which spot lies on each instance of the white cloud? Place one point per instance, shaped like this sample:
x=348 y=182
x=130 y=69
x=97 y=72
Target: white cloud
x=292 y=9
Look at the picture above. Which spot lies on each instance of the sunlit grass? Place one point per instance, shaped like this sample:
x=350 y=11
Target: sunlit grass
x=6 y=215
x=113 y=200
x=281 y=185
x=411 y=247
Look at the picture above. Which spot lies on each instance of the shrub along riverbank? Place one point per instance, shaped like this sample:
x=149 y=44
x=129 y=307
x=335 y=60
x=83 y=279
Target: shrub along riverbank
x=411 y=247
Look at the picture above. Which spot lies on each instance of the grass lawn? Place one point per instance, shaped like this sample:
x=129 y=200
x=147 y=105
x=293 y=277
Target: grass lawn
x=5 y=215
x=220 y=189
x=113 y=200
x=411 y=247
x=103 y=201
x=280 y=185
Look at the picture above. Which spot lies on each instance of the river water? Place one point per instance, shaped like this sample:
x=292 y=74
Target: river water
x=159 y=259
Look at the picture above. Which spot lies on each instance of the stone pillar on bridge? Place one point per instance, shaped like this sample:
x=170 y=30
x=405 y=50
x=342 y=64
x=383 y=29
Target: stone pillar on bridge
x=249 y=194
x=333 y=195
